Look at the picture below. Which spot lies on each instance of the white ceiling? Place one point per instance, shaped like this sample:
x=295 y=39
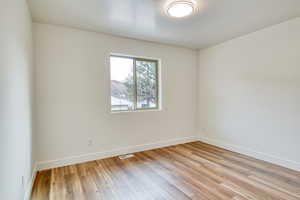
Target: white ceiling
x=215 y=22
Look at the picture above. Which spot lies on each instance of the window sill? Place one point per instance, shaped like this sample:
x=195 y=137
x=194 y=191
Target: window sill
x=136 y=111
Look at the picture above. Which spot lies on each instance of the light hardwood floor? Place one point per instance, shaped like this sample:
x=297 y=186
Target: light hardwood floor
x=188 y=171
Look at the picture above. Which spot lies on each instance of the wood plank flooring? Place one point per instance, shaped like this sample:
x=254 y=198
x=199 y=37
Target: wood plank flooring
x=188 y=171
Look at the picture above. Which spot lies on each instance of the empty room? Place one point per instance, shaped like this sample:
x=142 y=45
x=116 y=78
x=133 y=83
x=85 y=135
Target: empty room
x=150 y=100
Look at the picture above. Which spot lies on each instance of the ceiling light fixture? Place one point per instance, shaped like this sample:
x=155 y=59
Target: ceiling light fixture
x=180 y=9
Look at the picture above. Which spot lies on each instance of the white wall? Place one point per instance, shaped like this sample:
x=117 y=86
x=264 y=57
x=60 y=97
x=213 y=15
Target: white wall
x=249 y=94
x=15 y=99
x=73 y=95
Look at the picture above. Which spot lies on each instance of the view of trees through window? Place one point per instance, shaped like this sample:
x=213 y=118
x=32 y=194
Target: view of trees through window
x=134 y=83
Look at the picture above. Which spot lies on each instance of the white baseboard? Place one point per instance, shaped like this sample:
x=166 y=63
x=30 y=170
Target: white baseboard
x=29 y=185
x=100 y=155
x=249 y=152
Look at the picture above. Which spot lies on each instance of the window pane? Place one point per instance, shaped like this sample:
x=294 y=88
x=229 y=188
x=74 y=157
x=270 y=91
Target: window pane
x=122 y=83
x=146 y=78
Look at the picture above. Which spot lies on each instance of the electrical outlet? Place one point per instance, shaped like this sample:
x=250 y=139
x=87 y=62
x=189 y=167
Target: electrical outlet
x=90 y=142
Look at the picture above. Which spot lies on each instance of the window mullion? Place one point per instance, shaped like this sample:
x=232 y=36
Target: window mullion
x=135 y=85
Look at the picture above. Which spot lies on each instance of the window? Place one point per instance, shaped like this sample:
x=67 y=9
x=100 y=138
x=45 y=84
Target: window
x=134 y=83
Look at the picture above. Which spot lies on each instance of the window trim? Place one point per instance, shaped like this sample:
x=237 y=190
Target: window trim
x=157 y=75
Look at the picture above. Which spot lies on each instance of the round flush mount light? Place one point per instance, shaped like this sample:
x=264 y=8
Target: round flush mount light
x=180 y=9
